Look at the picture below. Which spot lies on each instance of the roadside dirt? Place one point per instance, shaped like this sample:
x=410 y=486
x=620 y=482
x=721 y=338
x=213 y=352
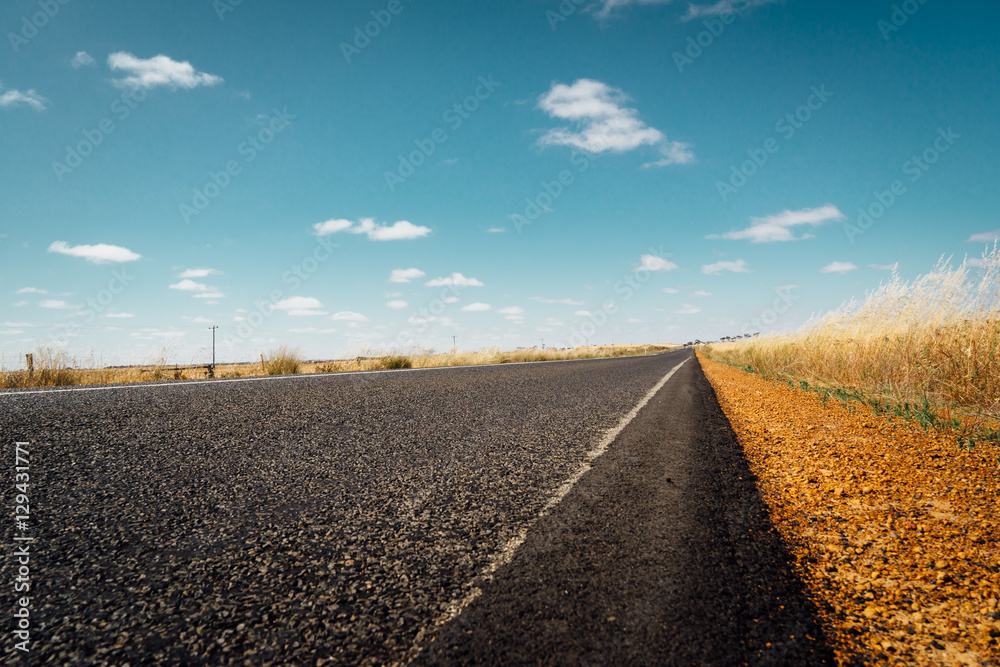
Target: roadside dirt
x=894 y=531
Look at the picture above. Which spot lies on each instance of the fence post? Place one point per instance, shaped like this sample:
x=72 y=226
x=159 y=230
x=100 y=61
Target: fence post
x=31 y=364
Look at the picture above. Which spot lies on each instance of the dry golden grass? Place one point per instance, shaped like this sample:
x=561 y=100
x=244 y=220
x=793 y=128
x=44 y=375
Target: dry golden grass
x=53 y=369
x=936 y=337
x=281 y=361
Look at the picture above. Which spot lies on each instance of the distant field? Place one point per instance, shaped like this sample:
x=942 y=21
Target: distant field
x=56 y=369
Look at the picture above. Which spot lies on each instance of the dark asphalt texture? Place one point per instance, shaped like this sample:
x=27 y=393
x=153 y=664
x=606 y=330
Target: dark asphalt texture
x=663 y=554
x=336 y=519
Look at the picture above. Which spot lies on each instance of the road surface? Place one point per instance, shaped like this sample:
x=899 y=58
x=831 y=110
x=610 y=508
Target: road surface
x=443 y=516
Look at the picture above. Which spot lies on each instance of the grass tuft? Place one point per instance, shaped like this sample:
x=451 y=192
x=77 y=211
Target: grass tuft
x=393 y=362
x=282 y=361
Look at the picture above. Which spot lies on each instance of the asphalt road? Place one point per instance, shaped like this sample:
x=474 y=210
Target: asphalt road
x=379 y=518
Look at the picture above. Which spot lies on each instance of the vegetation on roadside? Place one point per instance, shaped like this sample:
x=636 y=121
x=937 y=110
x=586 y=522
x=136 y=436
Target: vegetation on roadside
x=368 y=360
x=281 y=361
x=51 y=368
x=927 y=350
x=55 y=368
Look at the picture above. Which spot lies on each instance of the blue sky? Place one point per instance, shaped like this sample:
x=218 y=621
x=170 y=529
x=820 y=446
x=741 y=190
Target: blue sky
x=507 y=173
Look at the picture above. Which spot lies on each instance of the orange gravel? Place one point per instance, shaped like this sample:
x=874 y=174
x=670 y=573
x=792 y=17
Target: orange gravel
x=894 y=530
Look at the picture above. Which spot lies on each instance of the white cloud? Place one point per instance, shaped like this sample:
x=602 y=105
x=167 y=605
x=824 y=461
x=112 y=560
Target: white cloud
x=975 y=262
x=348 y=316
x=188 y=285
x=55 y=304
x=119 y=316
x=884 y=267
x=158 y=71
x=198 y=273
x=101 y=253
x=670 y=290
x=496 y=230
x=300 y=306
x=396 y=304
x=739 y=266
x=405 y=275
x=202 y=291
x=31 y=290
x=451 y=299
x=609 y=7
x=654 y=263
x=81 y=59
x=582 y=313
x=512 y=313
x=984 y=237
x=778 y=227
x=398 y=231
x=603 y=123
x=198 y=319
x=332 y=227
x=12 y=98
x=565 y=302
x=687 y=309
x=476 y=307
x=674 y=152
x=11 y=332
x=838 y=267
x=456 y=279
x=311 y=330
x=724 y=7
x=18 y=304
x=700 y=293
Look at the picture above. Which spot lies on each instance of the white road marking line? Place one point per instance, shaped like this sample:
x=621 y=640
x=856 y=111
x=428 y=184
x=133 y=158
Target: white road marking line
x=506 y=554
x=303 y=376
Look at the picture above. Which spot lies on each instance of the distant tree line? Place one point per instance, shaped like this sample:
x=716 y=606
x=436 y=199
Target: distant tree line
x=726 y=339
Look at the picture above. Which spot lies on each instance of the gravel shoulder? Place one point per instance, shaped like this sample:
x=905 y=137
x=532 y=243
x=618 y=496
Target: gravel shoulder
x=894 y=530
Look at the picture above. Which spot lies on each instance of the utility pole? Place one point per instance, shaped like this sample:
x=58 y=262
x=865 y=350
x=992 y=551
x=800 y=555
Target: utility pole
x=454 y=343
x=543 y=343
x=211 y=369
